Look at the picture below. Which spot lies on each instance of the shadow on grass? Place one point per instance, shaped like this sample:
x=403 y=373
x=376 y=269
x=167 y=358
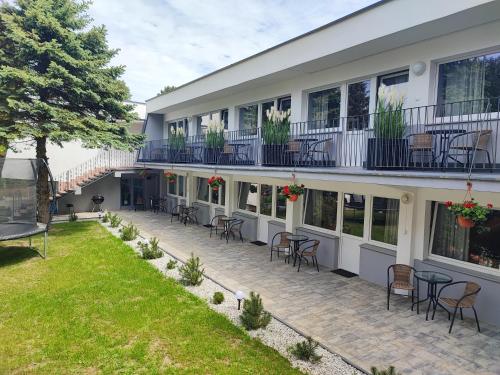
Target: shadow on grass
x=16 y=254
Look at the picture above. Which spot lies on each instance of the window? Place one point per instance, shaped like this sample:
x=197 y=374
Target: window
x=247 y=196
x=248 y=118
x=265 y=107
x=320 y=208
x=468 y=80
x=222 y=191
x=214 y=196
x=478 y=245
x=202 y=189
x=179 y=124
x=266 y=199
x=172 y=187
x=399 y=80
x=354 y=214
x=225 y=118
x=324 y=108
x=385 y=217
x=218 y=196
x=285 y=103
x=180 y=182
x=358 y=104
x=202 y=120
x=280 y=204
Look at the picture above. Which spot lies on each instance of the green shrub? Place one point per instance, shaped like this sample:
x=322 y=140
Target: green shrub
x=305 y=350
x=73 y=217
x=253 y=315
x=172 y=263
x=115 y=221
x=218 y=298
x=129 y=232
x=107 y=217
x=390 y=371
x=150 y=250
x=191 y=272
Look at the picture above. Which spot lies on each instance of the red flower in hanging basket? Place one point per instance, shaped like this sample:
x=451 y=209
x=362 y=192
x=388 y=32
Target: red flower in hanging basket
x=171 y=177
x=469 y=213
x=216 y=182
x=292 y=192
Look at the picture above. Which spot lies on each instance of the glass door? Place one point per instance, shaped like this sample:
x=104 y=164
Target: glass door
x=351 y=231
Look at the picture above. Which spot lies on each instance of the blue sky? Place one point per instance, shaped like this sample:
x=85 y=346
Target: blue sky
x=171 y=42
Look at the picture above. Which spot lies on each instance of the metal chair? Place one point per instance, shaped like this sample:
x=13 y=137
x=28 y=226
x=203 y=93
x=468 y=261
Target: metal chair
x=283 y=246
x=401 y=279
x=469 y=143
x=308 y=249
x=291 y=152
x=235 y=228
x=321 y=149
x=189 y=215
x=466 y=301
x=423 y=143
x=154 y=204
x=177 y=212
x=219 y=224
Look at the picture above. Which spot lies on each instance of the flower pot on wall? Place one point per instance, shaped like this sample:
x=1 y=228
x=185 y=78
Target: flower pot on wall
x=465 y=222
x=273 y=154
x=384 y=153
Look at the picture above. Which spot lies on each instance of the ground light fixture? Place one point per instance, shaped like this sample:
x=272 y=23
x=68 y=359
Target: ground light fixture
x=239 y=296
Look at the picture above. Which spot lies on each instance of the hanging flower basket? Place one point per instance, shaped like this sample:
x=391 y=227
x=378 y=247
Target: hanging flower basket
x=171 y=177
x=216 y=182
x=469 y=213
x=292 y=192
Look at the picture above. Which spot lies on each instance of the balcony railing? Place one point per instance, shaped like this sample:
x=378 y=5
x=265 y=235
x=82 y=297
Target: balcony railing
x=450 y=137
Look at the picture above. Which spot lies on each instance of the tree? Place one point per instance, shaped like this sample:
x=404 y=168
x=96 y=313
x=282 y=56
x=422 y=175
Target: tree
x=167 y=89
x=57 y=83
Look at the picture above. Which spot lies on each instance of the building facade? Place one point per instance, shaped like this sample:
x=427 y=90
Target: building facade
x=371 y=198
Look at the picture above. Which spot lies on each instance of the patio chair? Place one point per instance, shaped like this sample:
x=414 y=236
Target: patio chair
x=466 y=301
x=177 y=212
x=467 y=144
x=228 y=154
x=154 y=204
x=219 y=224
x=283 y=246
x=319 y=152
x=308 y=249
x=291 y=152
x=189 y=215
x=423 y=143
x=401 y=279
x=234 y=229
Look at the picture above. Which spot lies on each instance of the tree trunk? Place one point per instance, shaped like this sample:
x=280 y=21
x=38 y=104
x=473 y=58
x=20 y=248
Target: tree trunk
x=42 y=185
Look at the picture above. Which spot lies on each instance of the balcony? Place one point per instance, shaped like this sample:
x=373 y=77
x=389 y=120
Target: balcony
x=456 y=137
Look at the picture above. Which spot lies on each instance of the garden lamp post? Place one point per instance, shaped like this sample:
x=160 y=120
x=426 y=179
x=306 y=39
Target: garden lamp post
x=239 y=296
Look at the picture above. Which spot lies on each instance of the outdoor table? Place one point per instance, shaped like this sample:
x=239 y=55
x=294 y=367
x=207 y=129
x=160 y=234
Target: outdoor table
x=432 y=279
x=237 y=147
x=296 y=239
x=444 y=136
x=227 y=221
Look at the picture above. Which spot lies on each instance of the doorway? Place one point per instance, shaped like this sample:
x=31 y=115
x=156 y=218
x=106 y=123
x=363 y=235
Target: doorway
x=351 y=231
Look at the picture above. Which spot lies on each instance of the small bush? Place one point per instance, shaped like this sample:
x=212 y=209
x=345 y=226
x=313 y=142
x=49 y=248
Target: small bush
x=218 y=298
x=150 y=250
x=172 y=263
x=253 y=315
x=107 y=217
x=115 y=221
x=390 y=371
x=191 y=272
x=129 y=232
x=73 y=217
x=305 y=350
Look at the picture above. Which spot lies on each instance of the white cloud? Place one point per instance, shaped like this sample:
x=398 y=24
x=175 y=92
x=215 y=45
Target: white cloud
x=171 y=42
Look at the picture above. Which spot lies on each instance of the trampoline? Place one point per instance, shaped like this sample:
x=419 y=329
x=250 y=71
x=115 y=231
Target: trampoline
x=18 y=200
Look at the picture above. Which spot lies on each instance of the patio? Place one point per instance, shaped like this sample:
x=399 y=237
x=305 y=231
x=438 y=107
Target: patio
x=347 y=315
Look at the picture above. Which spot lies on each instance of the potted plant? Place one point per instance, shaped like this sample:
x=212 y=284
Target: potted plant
x=469 y=213
x=216 y=182
x=292 y=192
x=388 y=149
x=171 y=177
x=3 y=150
x=275 y=136
x=176 y=142
x=214 y=141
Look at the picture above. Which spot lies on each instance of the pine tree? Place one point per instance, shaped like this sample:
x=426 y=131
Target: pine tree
x=57 y=84
x=253 y=315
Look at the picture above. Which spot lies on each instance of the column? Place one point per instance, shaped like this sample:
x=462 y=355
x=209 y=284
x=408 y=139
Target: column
x=230 y=204
x=405 y=229
x=293 y=214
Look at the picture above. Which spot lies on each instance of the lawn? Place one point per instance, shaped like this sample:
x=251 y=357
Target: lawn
x=94 y=307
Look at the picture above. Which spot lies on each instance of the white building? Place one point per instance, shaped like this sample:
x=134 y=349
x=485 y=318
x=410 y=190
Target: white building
x=370 y=201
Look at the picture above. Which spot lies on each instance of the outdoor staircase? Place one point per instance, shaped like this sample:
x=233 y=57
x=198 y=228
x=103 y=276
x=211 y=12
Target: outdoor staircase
x=103 y=164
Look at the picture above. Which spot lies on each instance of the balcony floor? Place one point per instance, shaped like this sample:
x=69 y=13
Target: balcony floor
x=347 y=315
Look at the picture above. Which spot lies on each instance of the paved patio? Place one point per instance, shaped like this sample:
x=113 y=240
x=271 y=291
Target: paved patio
x=347 y=315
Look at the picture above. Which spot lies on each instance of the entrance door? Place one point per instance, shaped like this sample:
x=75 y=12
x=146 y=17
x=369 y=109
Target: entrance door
x=265 y=211
x=351 y=231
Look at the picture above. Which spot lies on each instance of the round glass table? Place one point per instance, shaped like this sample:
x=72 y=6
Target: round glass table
x=296 y=239
x=432 y=279
x=227 y=221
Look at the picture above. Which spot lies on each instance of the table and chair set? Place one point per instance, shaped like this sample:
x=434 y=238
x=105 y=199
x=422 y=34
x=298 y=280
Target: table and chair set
x=227 y=226
x=298 y=247
x=407 y=278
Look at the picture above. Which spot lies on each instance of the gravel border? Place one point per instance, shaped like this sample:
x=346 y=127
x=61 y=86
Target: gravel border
x=277 y=335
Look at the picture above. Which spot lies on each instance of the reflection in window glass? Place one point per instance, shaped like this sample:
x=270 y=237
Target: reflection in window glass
x=284 y=104
x=324 y=108
x=354 y=214
x=358 y=103
x=266 y=199
x=280 y=204
x=202 y=189
x=248 y=118
x=215 y=196
x=180 y=181
x=172 y=185
x=320 y=208
x=478 y=245
x=247 y=196
x=385 y=217
x=265 y=106
x=222 y=192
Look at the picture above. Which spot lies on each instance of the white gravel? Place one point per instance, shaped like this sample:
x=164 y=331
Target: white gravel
x=276 y=335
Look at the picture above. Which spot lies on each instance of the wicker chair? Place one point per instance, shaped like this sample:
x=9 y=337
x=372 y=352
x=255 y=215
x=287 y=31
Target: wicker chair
x=283 y=246
x=294 y=148
x=466 y=301
x=401 y=279
x=423 y=143
x=216 y=223
x=308 y=249
x=470 y=143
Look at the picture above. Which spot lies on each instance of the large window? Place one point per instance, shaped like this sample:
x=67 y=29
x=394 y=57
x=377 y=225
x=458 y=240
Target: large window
x=285 y=103
x=354 y=214
x=320 y=208
x=180 y=182
x=468 y=80
x=249 y=118
x=172 y=187
x=202 y=120
x=385 y=217
x=398 y=80
x=280 y=204
x=265 y=107
x=202 y=189
x=324 y=108
x=247 y=196
x=358 y=105
x=178 y=124
x=218 y=196
x=478 y=245
x=266 y=199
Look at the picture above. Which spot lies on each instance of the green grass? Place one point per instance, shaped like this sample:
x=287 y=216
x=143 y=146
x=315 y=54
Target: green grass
x=94 y=307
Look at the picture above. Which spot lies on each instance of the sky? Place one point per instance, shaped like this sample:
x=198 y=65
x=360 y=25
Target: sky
x=171 y=42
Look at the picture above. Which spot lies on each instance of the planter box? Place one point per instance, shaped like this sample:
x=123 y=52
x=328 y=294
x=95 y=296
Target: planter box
x=387 y=153
x=274 y=154
x=211 y=155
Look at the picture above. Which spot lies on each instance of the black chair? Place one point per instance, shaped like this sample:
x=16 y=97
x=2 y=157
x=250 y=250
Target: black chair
x=177 y=212
x=189 y=215
x=235 y=228
x=308 y=249
x=154 y=204
x=283 y=246
x=319 y=153
x=401 y=279
x=219 y=224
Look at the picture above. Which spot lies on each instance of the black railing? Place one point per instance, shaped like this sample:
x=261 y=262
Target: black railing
x=453 y=136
